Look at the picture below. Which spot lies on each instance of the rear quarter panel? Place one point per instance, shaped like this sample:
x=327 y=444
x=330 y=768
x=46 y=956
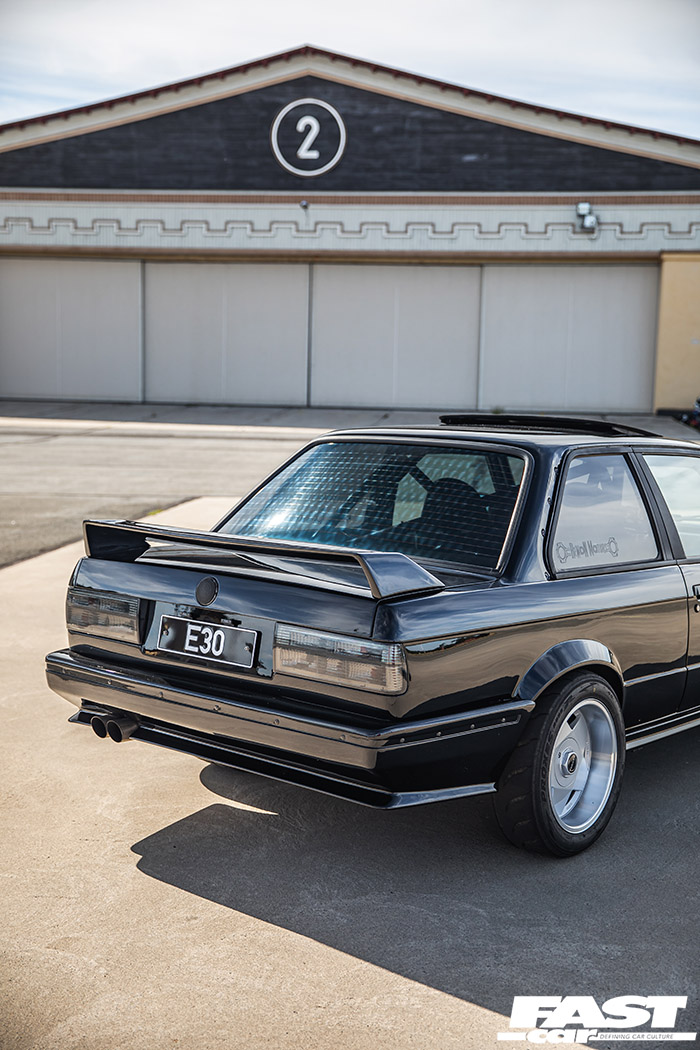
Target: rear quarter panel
x=473 y=648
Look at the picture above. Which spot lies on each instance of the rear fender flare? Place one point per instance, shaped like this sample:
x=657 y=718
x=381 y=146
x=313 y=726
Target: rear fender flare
x=574 y=655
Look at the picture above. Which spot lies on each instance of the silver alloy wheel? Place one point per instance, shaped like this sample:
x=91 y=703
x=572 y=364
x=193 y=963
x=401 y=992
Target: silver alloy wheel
x=582 y=766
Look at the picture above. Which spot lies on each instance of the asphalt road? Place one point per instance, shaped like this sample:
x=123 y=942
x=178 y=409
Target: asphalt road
x=152 y=901
x=50 y=482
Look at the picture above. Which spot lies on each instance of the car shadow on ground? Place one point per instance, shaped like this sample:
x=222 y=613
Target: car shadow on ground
x=435 y=894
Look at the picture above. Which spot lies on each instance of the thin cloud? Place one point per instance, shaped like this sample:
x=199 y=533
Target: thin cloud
x=634 y=61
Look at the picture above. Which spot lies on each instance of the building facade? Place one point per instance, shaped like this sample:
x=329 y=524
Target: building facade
x=311 y=229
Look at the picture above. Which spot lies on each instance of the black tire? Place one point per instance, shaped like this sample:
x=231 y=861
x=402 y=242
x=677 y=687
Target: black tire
x=553 y=768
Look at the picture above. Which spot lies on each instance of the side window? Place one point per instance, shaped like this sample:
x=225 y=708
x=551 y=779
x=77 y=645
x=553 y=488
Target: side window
x=678 y=477
x=602 y=519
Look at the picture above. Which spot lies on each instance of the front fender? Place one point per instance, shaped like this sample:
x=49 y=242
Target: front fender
x=562 y=659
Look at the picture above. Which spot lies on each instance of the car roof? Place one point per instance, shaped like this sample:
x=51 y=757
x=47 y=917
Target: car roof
x=527 y=432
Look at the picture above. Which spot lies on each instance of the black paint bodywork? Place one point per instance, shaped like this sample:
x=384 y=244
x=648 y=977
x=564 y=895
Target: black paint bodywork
x=480 y=649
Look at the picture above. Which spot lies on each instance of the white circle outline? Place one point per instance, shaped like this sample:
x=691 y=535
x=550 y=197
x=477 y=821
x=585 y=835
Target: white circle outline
x=275 y=128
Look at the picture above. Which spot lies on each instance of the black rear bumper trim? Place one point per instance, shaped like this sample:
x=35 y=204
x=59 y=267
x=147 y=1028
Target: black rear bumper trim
x=234 y=757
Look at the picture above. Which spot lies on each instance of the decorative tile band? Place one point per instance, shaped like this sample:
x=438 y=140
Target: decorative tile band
x=342 y=228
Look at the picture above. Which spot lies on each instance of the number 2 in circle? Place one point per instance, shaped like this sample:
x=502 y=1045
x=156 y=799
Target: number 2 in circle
x=312 y=127
x=308 y=155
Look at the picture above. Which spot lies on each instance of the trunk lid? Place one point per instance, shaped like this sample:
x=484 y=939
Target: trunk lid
x=252 y=586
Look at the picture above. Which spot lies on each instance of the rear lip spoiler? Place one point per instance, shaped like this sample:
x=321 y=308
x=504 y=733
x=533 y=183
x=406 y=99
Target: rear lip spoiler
x=389 y=574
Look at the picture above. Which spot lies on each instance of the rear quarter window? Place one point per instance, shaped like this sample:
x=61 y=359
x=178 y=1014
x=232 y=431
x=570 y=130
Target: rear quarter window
x=602 y=521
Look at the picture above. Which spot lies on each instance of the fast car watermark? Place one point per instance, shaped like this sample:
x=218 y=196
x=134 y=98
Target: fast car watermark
x=579 y=1019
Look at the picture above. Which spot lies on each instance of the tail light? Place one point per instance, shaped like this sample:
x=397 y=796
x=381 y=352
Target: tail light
x=103 y=614
x=378 y=667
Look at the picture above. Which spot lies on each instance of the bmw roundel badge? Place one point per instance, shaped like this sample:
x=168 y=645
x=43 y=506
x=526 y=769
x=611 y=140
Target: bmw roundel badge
x=207 y=590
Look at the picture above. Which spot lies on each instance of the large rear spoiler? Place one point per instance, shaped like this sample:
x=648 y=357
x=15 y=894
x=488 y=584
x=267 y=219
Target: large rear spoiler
x=389 y=574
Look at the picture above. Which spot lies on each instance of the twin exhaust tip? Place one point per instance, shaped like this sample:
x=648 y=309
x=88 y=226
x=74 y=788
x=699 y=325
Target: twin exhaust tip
x=116 y=727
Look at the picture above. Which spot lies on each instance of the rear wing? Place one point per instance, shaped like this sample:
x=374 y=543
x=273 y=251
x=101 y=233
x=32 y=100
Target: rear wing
x=388 y=574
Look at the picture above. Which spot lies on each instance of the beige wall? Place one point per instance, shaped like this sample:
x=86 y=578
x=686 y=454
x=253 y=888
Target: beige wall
x=678 y=341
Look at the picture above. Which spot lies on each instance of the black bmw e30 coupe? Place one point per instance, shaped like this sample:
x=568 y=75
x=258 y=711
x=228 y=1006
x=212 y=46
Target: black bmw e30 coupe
x=396 y=616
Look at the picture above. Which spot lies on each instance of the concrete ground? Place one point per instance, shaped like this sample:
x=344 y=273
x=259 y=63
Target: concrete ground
x=153 y=901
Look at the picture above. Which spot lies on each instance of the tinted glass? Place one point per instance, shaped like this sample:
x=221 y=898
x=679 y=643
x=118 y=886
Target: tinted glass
x=454 y=505
x=678 y=477
x=602 y=519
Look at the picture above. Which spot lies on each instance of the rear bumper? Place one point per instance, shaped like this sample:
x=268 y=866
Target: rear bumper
x=403 y=764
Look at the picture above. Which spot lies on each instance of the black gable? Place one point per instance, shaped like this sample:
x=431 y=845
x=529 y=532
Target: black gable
x=379 y=143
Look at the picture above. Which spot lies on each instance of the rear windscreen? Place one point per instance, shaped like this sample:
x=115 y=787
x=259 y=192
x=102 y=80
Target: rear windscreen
x=449 y=504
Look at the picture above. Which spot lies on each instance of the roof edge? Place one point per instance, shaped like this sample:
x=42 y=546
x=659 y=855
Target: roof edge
x=311 y=51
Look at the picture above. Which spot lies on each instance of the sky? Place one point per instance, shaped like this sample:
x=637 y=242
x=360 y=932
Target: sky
x=632 y=61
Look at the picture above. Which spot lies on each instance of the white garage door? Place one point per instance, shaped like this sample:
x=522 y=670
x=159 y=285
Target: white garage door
x=70 y=329
x=568 y=337
x=226 y=332
x=521 y=336
x=401 y=336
